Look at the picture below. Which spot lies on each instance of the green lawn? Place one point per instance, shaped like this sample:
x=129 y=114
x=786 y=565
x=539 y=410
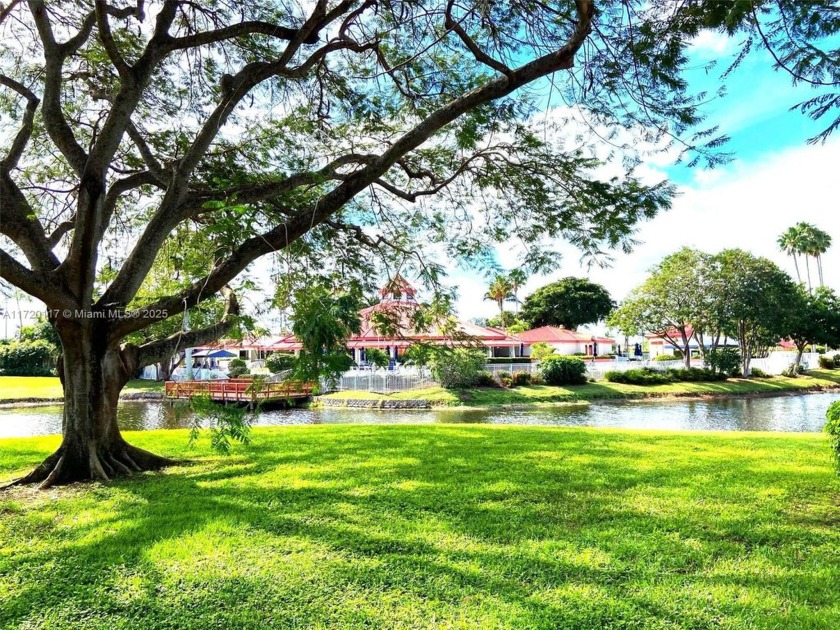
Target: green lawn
x=434 y=527
x=49 y=387
x=490 y=397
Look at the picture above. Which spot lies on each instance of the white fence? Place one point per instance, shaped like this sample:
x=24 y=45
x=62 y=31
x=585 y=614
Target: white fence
x=382 y=382
x=510 y=368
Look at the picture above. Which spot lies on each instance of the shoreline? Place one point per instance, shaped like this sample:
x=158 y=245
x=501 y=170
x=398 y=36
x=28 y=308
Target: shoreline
x=433 y=405
x=643 y=398
x=9 y=403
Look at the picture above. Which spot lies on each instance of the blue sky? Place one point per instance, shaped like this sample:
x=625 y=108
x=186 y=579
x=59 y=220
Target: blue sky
x=775 y=180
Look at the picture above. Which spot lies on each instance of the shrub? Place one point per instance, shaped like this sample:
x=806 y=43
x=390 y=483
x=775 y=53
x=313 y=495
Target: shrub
x=541 y=350
x=514 y=360
x=537 y=379
x=639 y=376
x=485 y=379
x=724 y=361
x=27 y=358
x=837 y=360
x=794 y=370
x=559 y=370
x=503 y=379
x=279 y=362
x=758 y=373
x=520 y=379
x=377 y=357
x=666 y=357
x=457 y=368
x=693 y=375
x=238 y=368
x=832 y=427
x=826 y=363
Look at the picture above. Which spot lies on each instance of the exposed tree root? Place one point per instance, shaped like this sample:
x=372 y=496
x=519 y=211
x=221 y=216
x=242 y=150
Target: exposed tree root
x=66 y=466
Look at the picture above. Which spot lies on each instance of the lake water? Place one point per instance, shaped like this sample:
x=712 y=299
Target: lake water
x=784 y=413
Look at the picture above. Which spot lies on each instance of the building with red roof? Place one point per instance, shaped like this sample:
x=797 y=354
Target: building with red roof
x=566 y=341
x=389 y=325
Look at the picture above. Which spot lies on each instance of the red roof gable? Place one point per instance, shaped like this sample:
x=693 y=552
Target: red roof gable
x=554 y=334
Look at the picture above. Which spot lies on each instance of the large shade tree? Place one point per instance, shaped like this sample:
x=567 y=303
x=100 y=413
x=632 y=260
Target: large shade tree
x=761 y=301
x=669 y=303
x=569 y=302
x=315 y=130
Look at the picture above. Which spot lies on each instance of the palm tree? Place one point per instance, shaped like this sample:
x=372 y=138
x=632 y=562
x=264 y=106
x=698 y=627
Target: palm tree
x=820 y=243
x=812 y=241
x=499 y=291
x=789 y=242
x=517 y=278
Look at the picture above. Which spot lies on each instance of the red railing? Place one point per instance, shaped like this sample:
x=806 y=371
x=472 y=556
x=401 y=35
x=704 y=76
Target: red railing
x=238 y=390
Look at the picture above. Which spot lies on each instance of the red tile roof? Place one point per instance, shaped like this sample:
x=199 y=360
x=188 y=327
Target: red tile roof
x=555 y=334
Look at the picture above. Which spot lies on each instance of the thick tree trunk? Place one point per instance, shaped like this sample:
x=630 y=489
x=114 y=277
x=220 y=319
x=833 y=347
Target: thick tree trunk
x=166 y=368
x=92 y=447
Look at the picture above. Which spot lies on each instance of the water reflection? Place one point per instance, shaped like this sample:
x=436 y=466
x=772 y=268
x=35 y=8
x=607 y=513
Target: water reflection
x=787 y=413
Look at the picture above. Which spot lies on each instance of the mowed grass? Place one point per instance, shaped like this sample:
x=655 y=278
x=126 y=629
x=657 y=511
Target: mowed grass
x=434 y=527
x=602 y=390
x=49 y=387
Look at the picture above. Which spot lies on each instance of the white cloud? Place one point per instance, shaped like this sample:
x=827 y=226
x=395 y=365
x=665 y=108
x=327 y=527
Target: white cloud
x=745 y=205
x=709 y=44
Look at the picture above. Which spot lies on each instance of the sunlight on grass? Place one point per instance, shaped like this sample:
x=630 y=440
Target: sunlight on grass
x=49 y=387
x=434 y=526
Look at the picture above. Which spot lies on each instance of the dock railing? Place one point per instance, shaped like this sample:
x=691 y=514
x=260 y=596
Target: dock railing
x=243 y=390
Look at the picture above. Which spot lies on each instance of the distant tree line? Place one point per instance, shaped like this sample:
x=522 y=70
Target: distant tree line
x=692 y=295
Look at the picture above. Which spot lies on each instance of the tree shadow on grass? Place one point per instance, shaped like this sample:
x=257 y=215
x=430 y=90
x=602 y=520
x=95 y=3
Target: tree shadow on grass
x=477 y=525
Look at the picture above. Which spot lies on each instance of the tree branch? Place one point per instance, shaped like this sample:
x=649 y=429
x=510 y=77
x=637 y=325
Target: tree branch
x=54 y=56
x=242 y=29
x=157 y=351
x=282 y=235
x=19 y=224
x=25 y=132
x=474 y=48
x=34 y=283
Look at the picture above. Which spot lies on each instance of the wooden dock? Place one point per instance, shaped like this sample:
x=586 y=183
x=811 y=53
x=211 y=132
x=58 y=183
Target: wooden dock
x=239 y=390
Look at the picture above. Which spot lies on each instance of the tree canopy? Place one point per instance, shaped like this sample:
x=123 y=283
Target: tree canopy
x=570 y=302
x=668 y=304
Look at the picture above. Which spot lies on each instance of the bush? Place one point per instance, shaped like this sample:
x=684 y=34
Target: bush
x=794 y=370
x=692 y=375
x=558 y=370
x=638 y=376
x=724 y=361
x=514 y=360
x=837 y=360
x=666 y=357
x=485 y=379
x=503 y=379
x=27 y=358
x=279 y=362
x=537 y=379
x=520 y=379
x=826 y=362
x=238 y=368
x=460 y=367
x=758 y=373
x=832 y=427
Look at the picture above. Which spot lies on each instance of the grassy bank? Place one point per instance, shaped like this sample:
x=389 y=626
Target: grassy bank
x=542 y=394
x=434 y=527
x=49 y=388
